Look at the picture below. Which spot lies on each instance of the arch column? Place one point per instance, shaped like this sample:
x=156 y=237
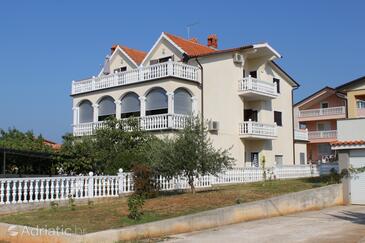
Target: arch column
x=194 y=104
x=96 y=112
x=170 y=102
x=76 y=111
x=142 y=100
x=118 y=109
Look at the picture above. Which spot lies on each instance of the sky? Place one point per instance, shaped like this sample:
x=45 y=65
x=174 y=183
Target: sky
x=44 y=45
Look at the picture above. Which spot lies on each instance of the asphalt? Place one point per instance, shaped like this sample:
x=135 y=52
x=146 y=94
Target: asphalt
x=345 y=224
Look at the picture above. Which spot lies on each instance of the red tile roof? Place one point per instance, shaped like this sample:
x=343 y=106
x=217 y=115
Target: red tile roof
x=354 y=142
x=191 y=48
x=136 y=55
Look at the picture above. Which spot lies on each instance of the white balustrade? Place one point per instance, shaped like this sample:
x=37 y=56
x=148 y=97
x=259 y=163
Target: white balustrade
x=27 y=190
x=340 y=110
x=250 y=84
x=148 y=123
x=162 y=70
x=257 y=129
x=301 y=134
x=331 y=134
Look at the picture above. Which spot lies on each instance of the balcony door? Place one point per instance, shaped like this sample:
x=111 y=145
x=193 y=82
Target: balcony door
x=250 y=114
x=323 y=126
x=255 y=159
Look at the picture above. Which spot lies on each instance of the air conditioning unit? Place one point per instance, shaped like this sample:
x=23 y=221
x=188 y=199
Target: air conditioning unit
x=213 y=126
x=238 y=58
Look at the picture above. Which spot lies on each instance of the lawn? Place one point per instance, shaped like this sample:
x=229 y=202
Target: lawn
x=113 y=213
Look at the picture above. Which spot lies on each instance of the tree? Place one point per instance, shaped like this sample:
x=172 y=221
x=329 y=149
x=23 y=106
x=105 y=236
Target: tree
x=191 y=154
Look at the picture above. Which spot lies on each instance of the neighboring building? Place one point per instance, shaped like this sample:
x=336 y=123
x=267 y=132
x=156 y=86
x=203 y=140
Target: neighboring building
x=351 y=153
x=246 y=96
x=319 y=112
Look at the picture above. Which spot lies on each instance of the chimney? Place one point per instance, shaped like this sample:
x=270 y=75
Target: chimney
x=195 y=40
x=213 y=41
x=112 y=49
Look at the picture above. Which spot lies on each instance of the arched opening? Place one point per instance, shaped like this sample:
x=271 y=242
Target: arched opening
x=182 y=102
x=106 y=108
x=86 y=112
x=130 y=106
x=156 y=102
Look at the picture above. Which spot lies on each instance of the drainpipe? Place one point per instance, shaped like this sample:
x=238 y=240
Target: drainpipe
x=201 y=89
x=292 y=118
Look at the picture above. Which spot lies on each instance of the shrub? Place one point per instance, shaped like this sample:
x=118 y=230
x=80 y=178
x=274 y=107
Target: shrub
x=135 y=204
x=144 y=179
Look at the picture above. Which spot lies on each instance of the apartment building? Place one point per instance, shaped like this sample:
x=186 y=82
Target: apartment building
x=319 y=113
x=242 y=92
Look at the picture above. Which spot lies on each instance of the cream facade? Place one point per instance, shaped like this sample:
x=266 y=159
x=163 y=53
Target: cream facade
x=243 y=95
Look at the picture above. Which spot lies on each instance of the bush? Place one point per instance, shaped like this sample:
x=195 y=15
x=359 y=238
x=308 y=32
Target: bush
x=135 y=204
x=144 y=179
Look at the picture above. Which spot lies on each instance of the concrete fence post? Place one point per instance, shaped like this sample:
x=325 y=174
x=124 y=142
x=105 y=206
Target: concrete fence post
x=90 y=187
x=120 y=181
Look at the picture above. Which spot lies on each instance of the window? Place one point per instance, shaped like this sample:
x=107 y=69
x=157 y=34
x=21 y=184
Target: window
x=156 y=102
x=323 y=126
x=277 y=82
x=324 y=105
x=182 y=102
x=324 y=149
x=86 y=112
x=279 y=160
x=360 y=104
x=302 y=126
x=106 y=108
x=253 y=74
x=161 y=60
x=130 y=105
x=302 y=158
x=278 y=118
x=121 y=69
x=250 y=115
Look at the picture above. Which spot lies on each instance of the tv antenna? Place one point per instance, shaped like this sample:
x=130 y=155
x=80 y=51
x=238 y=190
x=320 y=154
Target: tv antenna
x=188 y=27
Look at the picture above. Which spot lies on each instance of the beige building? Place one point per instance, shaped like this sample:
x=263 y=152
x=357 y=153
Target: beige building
x=242 y=93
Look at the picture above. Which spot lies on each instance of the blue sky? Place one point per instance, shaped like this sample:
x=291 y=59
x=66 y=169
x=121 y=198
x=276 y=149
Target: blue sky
x=44 y=45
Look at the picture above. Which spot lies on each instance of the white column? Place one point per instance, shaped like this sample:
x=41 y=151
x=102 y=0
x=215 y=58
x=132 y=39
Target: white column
x=96 y=112
x=118 y=108
x=142 y=100
x=75 y=115
x=194 y=104
x=170 y=102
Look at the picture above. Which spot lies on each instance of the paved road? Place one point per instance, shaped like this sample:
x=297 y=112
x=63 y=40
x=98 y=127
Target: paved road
x=331 y=225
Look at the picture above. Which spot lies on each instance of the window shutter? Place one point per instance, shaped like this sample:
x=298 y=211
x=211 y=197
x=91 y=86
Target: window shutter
x=182 y=102
x=130 y=103
x=106 y=107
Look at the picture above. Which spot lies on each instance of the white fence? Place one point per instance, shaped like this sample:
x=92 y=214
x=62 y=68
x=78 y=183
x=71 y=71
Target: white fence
x=47 y=189
x=258 y=86
x=257 y=129
x=340 y=110
x=162 y=70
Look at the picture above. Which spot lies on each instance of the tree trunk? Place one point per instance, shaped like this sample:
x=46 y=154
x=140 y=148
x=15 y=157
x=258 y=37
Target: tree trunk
x=191 y=183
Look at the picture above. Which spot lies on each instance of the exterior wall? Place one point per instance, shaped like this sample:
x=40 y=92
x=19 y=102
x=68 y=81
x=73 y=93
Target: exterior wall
x=333 y=101
x=300 y=147
x=351 y=129
x=221 y=78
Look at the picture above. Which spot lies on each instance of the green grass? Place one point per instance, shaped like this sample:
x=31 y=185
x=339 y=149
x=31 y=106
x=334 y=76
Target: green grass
x=113 y=213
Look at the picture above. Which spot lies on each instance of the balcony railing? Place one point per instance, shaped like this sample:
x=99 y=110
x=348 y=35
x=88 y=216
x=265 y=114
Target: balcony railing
x=148 y=123
x=162 y=70
x=301 y=134
x=340 y=110
x=331 y=134
x=255 y=89
x=251 y=129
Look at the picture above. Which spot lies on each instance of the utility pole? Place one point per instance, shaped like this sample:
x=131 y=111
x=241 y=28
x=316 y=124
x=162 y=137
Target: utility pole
x=4 y=162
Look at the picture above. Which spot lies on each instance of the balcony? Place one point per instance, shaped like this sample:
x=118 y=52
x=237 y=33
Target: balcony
x=255 y=89
x=322 y=136
x=147 y=123
x=322 y=114
x=360 y=112
x=162 y=70
x=257 y=130
x=301 y=134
